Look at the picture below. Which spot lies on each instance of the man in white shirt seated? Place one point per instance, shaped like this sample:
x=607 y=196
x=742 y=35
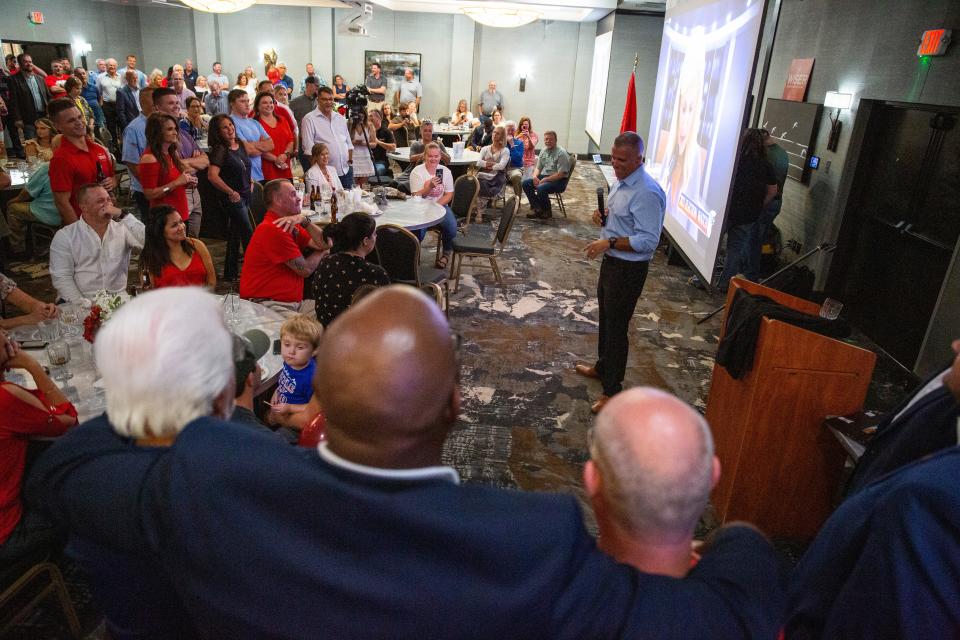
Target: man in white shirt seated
x=93 y=253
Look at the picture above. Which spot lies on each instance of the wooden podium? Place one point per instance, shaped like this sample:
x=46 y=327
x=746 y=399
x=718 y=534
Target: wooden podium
x=780 y=467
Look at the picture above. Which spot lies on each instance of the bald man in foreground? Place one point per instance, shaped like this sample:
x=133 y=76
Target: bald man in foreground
x=371 y=536
x=649 y=477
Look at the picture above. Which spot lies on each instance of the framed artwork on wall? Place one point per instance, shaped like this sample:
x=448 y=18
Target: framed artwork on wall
x=392 y=65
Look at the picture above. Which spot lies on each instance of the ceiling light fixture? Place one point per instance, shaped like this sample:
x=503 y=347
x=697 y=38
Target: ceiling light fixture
x=219 y=6
x=502 y=18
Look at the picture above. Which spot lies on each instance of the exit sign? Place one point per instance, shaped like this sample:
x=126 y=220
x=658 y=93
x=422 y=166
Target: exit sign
x=36 y=17
x=934 y=42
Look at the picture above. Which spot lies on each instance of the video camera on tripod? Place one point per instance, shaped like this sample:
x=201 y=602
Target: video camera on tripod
x=356 y=102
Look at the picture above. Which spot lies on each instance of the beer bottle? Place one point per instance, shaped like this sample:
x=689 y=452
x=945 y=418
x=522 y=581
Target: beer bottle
x=100 y=175
x=333 y=209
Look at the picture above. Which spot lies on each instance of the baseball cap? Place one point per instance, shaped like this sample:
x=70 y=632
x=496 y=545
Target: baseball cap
x=247 y=349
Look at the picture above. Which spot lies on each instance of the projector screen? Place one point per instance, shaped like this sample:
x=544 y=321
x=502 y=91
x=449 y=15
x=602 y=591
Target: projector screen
x=598 y=85
x=707 y=58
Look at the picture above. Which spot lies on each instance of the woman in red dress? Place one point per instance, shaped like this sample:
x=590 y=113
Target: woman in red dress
x=44 y=411
x=276 y=163
x=171 y=259
x=162 y=174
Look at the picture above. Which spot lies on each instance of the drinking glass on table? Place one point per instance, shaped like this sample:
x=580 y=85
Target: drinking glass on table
x=71 y=324
x=58 y=353
x=49 y=330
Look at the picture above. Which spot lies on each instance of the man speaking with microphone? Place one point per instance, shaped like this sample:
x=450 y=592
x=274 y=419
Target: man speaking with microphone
x=629 y=234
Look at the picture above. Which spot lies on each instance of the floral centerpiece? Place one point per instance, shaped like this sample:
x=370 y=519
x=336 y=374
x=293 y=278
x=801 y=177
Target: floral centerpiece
x=105 y=303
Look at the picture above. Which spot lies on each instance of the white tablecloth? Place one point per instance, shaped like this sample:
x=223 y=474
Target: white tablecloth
x=85 y=388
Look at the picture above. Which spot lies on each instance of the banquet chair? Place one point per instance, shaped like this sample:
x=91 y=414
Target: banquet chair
x=558 y=196
x=258 y=208
x=464 y=202
x=478 y=243
x=15 y=581
x=398 y=252
x=400 y=137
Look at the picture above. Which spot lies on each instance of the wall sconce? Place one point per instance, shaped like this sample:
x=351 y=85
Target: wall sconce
x=523 y=68
x=838 y=101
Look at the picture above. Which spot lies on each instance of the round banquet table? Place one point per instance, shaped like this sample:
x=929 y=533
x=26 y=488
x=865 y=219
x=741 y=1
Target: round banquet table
x=455 y=134
x=85 y=388
x=458 y=166
x=413 y=213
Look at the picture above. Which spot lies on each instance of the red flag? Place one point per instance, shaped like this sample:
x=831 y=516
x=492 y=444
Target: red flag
x=629 y=122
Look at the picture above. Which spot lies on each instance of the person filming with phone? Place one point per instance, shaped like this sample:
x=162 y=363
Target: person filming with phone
x=629 y=234
x=433 y=181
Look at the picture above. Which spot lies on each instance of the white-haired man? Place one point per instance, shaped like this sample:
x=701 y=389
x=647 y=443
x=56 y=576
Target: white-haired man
x=649 y=477
x=157 y=383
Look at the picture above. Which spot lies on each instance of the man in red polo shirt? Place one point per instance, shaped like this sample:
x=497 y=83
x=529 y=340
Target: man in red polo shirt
x=274 y=266
x=74 y=163
x=55 y=79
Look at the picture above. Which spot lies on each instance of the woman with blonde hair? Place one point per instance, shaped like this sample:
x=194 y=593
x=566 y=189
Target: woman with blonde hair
x=321 y=174
x=493 y=162
x=461 y=115
x=683 y=161
x=42 y=145
x=156 y=79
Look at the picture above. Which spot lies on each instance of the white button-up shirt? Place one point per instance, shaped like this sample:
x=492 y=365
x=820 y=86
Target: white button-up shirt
x=81 y=263
x=331 y=131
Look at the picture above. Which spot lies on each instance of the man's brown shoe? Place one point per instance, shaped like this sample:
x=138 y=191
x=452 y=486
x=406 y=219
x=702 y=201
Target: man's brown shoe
x=598 y=405
x=586 y=371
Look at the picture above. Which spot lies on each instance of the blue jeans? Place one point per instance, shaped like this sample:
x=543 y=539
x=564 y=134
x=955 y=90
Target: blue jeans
x=739 y=244
x=448 y=230
x=99 y=119
x=539 y=197
x=347 y=179
x=382 y=169
x=240 y=231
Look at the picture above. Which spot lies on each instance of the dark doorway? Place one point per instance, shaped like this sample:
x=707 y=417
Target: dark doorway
x=43 y=53
x=901 y=225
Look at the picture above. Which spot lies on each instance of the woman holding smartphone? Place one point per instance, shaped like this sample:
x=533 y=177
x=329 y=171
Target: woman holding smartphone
x=433 y=181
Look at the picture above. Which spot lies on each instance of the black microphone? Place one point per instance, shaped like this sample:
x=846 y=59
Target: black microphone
x=603 y=213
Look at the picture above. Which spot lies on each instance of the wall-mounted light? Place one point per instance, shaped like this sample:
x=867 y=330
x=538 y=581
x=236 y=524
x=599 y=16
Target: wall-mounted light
x=82 y=48
x=522 y=69
x=838 y=101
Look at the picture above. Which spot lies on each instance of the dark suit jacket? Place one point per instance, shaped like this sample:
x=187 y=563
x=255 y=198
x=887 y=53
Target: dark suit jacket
x=264 y=540
x=928 y=426
x=21 y=104
x=887 y=562
x=127 y=108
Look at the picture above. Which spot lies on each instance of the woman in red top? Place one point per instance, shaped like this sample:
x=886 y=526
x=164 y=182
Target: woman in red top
x=276 y=163
x=169 y=257
x=161 y=172
x=42 y=412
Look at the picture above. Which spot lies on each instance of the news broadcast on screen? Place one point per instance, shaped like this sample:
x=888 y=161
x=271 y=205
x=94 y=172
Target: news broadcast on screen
x=706 y=67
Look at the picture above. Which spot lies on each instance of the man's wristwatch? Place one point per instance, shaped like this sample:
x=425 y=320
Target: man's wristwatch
x=613 y=242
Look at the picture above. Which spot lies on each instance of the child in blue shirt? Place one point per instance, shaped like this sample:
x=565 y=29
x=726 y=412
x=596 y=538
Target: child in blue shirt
x=299 y=339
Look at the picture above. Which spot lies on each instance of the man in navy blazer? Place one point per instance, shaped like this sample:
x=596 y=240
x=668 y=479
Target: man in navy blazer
x=887 y=562
x=128 y=100
x=924 y=423
x=371 y=536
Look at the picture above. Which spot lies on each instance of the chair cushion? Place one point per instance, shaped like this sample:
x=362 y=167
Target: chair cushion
x=474 y=243
x=432 y=274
